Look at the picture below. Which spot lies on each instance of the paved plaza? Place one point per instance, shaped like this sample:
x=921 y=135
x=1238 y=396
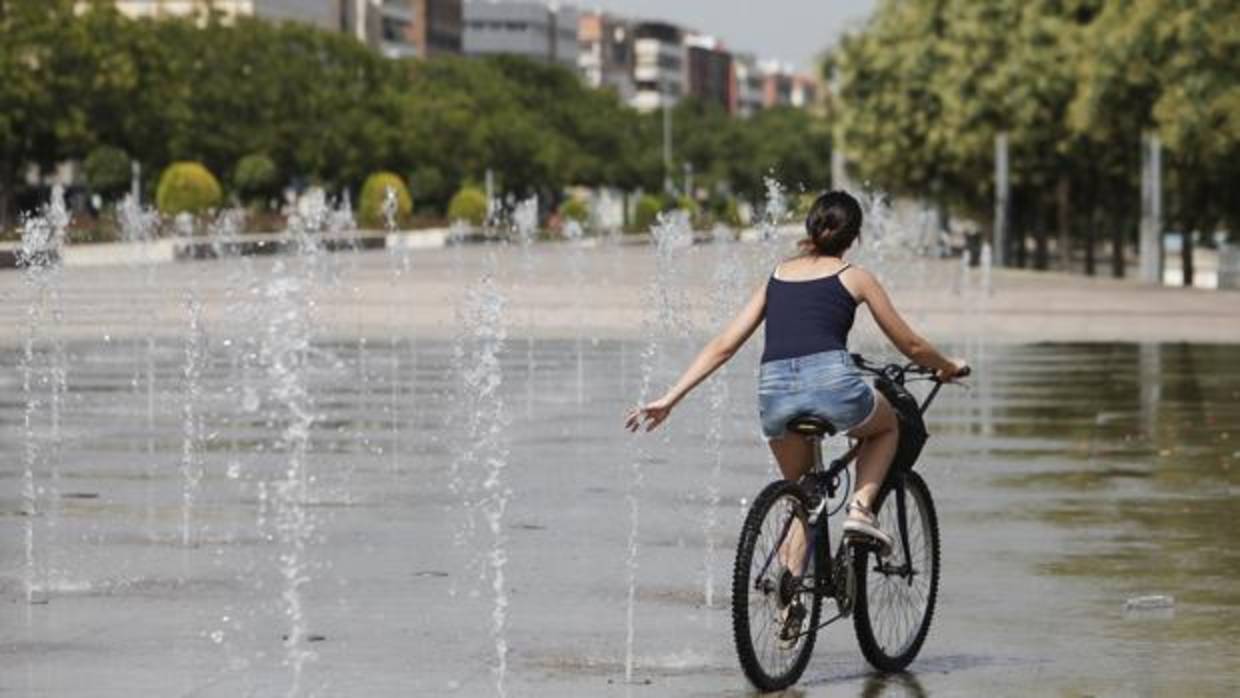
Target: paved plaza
x=1092 y=460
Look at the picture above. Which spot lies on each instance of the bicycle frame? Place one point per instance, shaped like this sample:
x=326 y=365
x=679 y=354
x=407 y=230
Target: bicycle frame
x=825 y=578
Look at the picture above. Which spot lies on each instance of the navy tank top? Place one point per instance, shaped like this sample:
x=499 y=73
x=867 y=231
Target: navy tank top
x=807 y=317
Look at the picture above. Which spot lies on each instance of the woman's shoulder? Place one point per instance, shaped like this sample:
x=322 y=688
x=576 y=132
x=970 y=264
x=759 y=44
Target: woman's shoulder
x=857 y=280
x=858 y=272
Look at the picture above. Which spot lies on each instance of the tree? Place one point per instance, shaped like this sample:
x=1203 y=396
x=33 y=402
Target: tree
x=1170 y=68
x=187 y=187
x=29 y=34
x=373 y=200
x=107 y=170
x=256 y=178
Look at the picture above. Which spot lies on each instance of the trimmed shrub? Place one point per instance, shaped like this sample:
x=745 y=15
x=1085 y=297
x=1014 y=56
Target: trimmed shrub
x=187 y=187
x=107 y=170
x=646 y=212
x=690 y=205
x=256 y=177
x=469 y=205
x=725 y=210
x=374 y=193
x=575 y=210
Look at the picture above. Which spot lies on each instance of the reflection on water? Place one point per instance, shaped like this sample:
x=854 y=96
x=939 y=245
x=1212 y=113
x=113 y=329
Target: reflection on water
x=1070 y=479
x=1134 y=452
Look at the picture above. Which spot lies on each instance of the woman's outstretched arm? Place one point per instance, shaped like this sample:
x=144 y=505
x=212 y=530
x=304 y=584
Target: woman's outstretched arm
x=898 y=331
x=715 y=354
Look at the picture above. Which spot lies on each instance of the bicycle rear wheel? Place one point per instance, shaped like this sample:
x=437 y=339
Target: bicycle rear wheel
x=896 y=596
x=763 y=590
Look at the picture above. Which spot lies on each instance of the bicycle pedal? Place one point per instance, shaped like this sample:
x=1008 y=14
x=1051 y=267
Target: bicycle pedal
x=867 y=543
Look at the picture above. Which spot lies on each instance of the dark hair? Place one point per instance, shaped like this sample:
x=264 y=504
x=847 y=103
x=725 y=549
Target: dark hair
x=833 y=223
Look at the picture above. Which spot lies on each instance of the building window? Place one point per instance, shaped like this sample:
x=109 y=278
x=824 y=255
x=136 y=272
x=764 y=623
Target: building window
x=394 y=30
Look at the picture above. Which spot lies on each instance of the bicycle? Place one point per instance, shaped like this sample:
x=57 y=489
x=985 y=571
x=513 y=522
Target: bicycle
x=891 y=603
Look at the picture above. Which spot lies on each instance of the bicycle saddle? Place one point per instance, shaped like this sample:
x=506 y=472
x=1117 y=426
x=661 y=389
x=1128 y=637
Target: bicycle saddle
x=809 y=425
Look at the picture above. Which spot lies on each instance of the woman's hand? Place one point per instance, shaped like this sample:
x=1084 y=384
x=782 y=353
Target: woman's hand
x=958 y=366
x=652 y=413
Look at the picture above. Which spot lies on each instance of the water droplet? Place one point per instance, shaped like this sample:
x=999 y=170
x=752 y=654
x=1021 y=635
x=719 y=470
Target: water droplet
x=217 y=637
x=234 y=470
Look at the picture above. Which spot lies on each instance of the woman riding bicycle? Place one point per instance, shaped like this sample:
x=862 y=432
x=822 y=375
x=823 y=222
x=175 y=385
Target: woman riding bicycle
x=809 y=303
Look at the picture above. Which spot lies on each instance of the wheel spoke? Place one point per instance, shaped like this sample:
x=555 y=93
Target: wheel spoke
x=899 y=589
x=770 y=551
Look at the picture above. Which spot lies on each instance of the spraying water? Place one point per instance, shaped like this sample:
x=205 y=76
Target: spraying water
x=240 y=343
x=525 y=226
x=729 y=275
x=486 y=450
x=284 y=352
x=775 y=216
x=192 y=430
x=43 y=238
x=574 y=233
x=671 y=233
x=399 y=256
x=139 y=226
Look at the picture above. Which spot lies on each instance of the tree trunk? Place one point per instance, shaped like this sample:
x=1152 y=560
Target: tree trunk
x=1041 y=258
x=1186 y=252
x=6 y=195
x=1117 y=246
x=1091 y=237
x=1063 y=204
x=1019 y=219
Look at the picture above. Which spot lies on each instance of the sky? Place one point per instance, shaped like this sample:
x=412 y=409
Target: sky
x=793 y=31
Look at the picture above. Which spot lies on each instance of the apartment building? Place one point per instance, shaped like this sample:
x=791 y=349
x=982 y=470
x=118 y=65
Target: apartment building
x=397 y=28
x=540 y=31
x=438 y=27
x=709 y=75
x=605 y=53
x=750 y=85
x=659 y=65
x=322 y=13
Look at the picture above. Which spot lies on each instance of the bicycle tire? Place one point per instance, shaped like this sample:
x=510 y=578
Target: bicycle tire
x=764 y=677
x=894 y=651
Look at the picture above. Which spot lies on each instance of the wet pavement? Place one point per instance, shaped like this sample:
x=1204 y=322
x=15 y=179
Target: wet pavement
x=1069 y=478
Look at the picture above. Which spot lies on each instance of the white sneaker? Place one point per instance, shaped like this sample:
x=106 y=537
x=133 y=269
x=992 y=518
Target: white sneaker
x=861 y=522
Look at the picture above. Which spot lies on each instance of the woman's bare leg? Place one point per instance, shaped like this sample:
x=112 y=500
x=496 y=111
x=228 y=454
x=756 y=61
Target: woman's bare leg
x=879 y=436
x=793 y=454
x=795 y=458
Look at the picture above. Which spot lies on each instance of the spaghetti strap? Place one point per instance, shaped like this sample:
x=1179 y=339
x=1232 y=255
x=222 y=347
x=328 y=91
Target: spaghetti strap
x=843 y=269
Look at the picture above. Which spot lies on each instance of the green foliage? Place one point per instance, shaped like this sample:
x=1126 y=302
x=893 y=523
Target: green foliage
x=374 y=194
x=326 y=108
x=646 y=212
x=107 y=170
x=925 y=88
x=256 y=177
x=469 y=205
x=729 y=213
x=428 y=185
x=575 y=209
x=187 y=187
x=689 y=205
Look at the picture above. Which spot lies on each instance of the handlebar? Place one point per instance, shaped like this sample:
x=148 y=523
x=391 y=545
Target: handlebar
x=897 y=372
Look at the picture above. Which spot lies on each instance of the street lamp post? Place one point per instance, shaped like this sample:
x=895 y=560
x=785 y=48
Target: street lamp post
x=1002 y=195
x=665 y=98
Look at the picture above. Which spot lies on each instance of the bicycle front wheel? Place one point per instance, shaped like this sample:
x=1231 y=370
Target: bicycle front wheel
x=896 y=594
x=767 y=587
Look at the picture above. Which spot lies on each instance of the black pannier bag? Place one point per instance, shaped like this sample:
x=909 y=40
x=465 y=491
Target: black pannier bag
x=912 y=426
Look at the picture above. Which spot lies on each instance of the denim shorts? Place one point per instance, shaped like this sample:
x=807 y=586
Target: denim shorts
x=826 y=385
